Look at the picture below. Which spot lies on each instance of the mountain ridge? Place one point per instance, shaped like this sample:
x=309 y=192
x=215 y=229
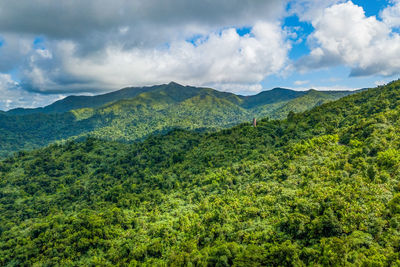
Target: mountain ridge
x=83 y=101
x=319 y=188
x=155 y=109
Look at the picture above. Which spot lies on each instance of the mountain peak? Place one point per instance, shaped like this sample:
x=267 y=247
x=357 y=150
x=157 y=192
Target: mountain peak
x=280 y=89
x=174 y=84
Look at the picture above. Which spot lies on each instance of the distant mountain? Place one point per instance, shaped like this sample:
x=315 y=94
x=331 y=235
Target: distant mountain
x=319 y=188
x=275 y=95
x=75 y=102
x=132 y=114
x=308 y=100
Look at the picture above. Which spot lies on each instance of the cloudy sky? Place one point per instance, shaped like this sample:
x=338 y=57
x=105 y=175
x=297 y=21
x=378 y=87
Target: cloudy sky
x=50 y=49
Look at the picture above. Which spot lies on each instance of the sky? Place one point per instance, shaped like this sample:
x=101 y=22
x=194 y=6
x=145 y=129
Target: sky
x=51 y=49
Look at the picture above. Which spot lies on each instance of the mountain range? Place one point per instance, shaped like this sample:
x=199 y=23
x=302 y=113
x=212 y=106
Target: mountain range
x=132 y=114
x=318 y=188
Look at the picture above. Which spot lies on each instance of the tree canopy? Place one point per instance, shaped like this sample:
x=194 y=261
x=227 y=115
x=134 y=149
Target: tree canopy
x=320 y=187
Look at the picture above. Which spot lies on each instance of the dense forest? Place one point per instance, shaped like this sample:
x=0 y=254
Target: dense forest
x=131 y=114
x=320 y=187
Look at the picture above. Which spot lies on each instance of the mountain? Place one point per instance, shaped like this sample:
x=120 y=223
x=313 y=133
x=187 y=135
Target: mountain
x=69 y=103
x=310 y=99
x=131 y=114
x=275 y=95
x=317 y=188
x=76 y=102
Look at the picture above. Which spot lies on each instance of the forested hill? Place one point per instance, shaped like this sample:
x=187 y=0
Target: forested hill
x=318 y=188
x=131 y=114
x=78 y=102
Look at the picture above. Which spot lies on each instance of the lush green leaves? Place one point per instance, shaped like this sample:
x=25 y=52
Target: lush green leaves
x=132 y=114
x=319 y=188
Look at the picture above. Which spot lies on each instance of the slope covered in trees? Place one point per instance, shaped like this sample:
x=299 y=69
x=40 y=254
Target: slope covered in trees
x=76 y=102
x=318 y=188
x=133 y=113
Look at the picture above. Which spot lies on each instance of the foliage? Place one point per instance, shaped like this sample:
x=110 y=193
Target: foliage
x=318 y=188
x=132 y=114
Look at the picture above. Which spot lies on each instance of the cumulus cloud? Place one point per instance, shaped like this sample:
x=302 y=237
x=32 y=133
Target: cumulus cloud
x=102 y=45
x=308 y=10
x=219 y=58
x=344 y=35
x=326 y=88
x=13 y=96
x=96 y=23
x=14 y=50
x=391 y=14
x=301 y=82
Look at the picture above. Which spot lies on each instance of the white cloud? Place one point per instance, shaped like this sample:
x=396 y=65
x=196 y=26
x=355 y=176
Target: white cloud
x=326 y=88
x=98 y=23
x=391 y=14
x=14 y=49
x=301 y=82
x=245 y=89
x=382 y=82
x=102 y=45
x=344 y=35
x=6 y=82
x=219 y=59
x=13 y=96
x=309 y=10
x=333 y=88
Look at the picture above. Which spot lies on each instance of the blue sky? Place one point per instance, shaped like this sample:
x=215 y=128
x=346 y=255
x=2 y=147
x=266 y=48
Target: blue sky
x=49 y=51
x=332 y=77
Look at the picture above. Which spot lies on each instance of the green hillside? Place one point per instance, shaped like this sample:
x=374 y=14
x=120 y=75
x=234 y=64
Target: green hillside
x=318 y=188
x=156 y=109
x=307 y=101
x=76 y=102
x=276 y=95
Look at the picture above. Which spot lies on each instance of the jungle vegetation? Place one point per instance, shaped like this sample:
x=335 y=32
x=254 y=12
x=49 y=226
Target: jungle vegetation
x=321 y=187
x=131 y=114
